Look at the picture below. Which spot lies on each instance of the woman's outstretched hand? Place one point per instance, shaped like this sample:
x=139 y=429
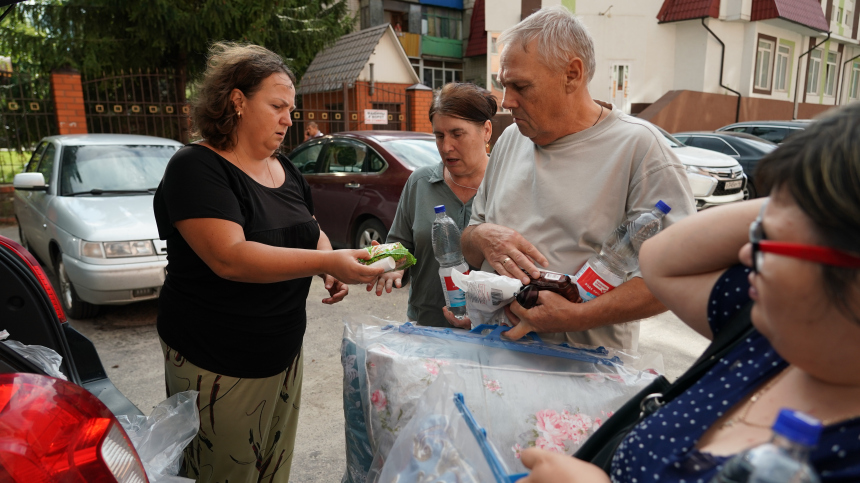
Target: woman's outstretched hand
x=387 y=281
x=344 y=266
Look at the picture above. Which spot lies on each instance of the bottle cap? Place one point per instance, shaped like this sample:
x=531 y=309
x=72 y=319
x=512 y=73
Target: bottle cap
x=439 y=209
x=663 y=207
x=798 y=427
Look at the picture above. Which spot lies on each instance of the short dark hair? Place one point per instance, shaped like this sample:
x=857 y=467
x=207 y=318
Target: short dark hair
x=313 y=124
x=230 y=66
x=466 y=101
x=820 y=168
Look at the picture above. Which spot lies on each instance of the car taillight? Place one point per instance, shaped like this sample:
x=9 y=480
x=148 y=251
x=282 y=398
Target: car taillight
x=31 y=262
x=53 y=430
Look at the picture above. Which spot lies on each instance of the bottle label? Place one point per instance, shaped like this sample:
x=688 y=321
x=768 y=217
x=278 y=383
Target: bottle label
x=555 y=277
x=454 y=297
x=591 y=285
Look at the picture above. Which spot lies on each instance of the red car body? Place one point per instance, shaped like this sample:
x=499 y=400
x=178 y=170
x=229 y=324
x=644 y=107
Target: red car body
x=356 y=179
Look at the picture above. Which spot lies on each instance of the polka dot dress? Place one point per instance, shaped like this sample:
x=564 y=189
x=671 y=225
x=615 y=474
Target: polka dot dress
x=662 y=447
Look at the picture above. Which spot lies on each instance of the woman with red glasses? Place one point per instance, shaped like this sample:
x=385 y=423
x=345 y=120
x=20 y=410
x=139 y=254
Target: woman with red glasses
x=796 y=256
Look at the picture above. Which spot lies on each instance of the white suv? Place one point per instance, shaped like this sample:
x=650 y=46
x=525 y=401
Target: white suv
x=715 y=178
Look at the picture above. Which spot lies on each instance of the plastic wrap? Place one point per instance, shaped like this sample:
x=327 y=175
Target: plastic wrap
x=391 y=367
x=444 y=442
x=486 y=295
x=161 y=438
x=44 y=357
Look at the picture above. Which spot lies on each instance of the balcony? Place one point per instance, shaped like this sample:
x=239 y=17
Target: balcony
x=411 y=44
x=441 y=47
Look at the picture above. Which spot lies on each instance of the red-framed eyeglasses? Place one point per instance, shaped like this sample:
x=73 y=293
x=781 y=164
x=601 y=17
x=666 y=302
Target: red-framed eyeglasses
x=812 y=253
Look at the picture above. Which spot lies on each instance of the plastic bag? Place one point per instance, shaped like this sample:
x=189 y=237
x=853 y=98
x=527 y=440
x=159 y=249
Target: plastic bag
x=390 y=256
x=486 y=295
x=388 y=368
x=444 y=443
x=161 y=438
x=44 y=357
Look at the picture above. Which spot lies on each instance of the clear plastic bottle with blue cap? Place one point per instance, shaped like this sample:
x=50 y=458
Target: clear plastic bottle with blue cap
x=445 y=236
x=785 y=458
x=619 y=254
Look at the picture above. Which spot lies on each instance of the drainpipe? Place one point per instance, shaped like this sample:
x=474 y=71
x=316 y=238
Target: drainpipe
x=722 y=60
x=838 y=101
x=797 y=80
x=370 y=91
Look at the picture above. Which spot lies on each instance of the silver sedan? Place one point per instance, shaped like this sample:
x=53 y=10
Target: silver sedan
x=84 y=206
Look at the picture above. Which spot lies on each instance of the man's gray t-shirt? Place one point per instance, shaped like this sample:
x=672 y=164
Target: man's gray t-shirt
x=412 y=226
x=567 y=197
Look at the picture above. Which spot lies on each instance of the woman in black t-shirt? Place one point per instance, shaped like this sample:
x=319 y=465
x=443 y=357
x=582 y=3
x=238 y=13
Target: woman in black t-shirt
x=242 y=247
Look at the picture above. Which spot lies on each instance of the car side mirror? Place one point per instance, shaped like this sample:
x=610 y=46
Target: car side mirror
x=30 y=182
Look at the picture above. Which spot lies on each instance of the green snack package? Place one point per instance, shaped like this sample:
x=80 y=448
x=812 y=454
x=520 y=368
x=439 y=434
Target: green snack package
x=401 y=256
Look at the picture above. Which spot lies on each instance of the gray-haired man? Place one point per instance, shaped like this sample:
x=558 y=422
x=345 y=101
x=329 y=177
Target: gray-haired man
x=567 y=173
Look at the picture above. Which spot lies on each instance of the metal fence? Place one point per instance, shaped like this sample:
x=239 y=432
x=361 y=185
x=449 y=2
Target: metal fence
x=26 y=115
x=150 y=102
x=340 y=106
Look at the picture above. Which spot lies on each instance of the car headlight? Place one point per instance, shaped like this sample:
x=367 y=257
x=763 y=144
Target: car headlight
x=120 y=249
x=699 y=170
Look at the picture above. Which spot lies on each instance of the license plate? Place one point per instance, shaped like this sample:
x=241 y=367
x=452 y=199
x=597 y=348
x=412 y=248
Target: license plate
x=730 y=185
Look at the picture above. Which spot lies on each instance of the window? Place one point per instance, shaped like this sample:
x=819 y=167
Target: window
x=438 y=73
x=112 y=167
x=442 y=22
x=46 y=167
x=763 y=63
x=780 y=81
x=344 y=157
x=34 y=160
x=713 y=144
x=813 y=72
x=772 y=134
x=830 y=76
x=854 y=93
x=306 y=159
x=374 y=163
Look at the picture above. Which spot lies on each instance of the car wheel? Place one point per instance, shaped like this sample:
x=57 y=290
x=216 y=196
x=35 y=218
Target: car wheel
x=72 y=305
x=370 y=230
x=750 y=191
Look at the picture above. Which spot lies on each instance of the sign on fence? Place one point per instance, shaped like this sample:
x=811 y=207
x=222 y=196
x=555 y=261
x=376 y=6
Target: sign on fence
x=376 y=116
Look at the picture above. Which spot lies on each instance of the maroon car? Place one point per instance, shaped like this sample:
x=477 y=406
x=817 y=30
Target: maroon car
x=356 y=179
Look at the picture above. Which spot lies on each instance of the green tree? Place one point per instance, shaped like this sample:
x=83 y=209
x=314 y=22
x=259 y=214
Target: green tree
x=97 y=36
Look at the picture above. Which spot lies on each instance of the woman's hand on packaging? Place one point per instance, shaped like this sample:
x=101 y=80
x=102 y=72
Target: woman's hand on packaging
x=344 y=266
x=464 y=323
x=337 y=290
x=508 y=252
x=387 y=281
x=549 y=467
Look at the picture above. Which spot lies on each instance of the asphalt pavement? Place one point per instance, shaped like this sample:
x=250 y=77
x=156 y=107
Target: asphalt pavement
x=127 y=342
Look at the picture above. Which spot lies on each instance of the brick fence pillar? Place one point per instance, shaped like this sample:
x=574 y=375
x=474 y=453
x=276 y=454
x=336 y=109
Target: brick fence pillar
x=69 y=101
x=419 y=97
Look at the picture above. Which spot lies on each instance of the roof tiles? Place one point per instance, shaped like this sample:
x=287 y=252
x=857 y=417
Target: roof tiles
x=676 y=10
x=804 y=12
x=342 y=62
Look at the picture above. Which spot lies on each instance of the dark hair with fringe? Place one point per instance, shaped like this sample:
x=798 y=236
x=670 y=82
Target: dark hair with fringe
x=465 y=101
x=820 y=168
x=230 y=66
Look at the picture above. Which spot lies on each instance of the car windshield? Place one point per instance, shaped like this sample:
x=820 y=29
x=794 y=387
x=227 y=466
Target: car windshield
x=414 y=152
x=106 y=169
x=671 y=141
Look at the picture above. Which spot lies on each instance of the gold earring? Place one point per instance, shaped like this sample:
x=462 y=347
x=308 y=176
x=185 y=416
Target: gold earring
x=239 y=113
x=488 y=148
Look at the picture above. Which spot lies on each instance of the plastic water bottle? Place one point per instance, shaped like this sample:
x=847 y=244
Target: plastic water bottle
x=446 y=248
x=619 y=254
x=785 y=458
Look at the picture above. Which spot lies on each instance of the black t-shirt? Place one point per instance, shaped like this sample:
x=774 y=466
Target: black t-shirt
x=233 y=328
